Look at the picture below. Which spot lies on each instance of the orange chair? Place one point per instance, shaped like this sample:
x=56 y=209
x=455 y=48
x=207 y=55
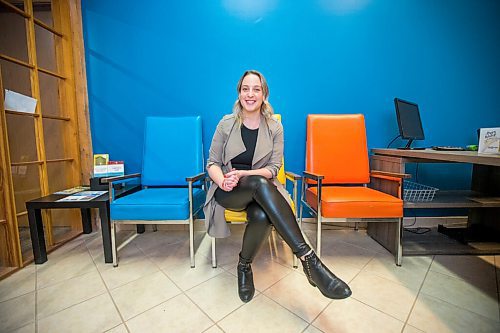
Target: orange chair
x=337 y=178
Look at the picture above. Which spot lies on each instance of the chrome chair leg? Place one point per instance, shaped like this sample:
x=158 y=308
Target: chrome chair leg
x=214 y=257
x=113 y=244
x=399 y=242
x=191 y=224
x=191 y=241
x=318 y=233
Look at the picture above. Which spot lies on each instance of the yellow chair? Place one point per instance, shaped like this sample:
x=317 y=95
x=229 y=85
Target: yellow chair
x=241 y=216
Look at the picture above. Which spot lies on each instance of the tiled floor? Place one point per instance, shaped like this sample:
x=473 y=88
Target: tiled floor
x=155 y=290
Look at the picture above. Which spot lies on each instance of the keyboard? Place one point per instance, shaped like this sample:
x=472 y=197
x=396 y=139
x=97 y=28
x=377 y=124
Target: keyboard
x=448 y=148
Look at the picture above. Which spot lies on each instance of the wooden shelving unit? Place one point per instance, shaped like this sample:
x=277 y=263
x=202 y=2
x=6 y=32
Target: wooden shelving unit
x=482 y=202
x=456 y=199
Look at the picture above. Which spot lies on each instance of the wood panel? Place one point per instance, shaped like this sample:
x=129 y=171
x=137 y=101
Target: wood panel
x=35 y=91
x=81 y=93
x=69 y=71
x=12 y=250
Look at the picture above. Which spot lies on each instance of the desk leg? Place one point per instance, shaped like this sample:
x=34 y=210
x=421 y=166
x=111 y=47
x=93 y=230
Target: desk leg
x=106 y=232
x=140 y=228
x=86 y=220
x=37 y=235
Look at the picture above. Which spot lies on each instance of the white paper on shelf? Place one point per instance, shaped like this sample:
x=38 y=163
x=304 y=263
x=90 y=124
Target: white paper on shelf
x=18 y=102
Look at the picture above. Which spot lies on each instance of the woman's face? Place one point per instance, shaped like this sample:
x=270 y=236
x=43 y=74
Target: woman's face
x=251 y=96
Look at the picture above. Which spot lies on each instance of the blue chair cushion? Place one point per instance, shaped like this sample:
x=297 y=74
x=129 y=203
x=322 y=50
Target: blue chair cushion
x=156 y=204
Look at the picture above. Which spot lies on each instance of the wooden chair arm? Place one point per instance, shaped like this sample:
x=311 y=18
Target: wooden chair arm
x=313 y=176
x=196 y=178
x=292 y=176
x=393 y=176
x=114 y=179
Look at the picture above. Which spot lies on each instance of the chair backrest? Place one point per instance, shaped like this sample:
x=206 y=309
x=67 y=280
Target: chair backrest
x=173 y=150
x=336 y=148
x=281 y=173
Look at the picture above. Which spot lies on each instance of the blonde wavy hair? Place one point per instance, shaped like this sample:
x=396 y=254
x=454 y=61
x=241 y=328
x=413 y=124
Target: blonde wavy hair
x=265 y=109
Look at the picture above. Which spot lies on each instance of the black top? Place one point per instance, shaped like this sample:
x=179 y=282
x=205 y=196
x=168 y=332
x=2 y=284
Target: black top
x=244 y=160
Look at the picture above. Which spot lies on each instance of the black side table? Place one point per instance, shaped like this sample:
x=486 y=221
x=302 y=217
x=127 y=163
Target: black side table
x=34 y=208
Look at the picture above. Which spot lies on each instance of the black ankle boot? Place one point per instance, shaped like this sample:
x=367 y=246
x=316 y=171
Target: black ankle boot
x=320 y=276
x=246 y=289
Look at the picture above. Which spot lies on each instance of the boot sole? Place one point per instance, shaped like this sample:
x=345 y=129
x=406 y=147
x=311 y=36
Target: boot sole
x=327 y=296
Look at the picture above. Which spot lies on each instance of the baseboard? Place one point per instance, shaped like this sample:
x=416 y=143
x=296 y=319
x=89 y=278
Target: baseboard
x=310 y=223
x=408 y=222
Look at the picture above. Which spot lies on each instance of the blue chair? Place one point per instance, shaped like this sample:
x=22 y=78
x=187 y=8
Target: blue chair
x=171 y=190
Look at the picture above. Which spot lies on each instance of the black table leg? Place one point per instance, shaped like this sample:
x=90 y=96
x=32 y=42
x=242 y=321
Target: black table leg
x=37 y=235
x=106 y=231
x=86 y=220
x=140 y=228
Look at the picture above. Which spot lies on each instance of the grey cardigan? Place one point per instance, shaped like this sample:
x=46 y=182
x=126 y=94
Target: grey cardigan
x=227 y=144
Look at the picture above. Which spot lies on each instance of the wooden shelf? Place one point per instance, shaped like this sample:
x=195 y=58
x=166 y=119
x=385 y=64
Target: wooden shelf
x=436 y=243
x=456 y=199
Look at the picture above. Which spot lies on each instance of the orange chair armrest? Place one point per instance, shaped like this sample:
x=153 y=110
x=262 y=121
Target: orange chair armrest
x=313 y=176
x=394 y=176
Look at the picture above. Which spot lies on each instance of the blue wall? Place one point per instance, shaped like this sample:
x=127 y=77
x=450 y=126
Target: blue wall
x=178 y=58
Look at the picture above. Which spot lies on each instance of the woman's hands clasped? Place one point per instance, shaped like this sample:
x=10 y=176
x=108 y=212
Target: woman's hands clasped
x=231 y=180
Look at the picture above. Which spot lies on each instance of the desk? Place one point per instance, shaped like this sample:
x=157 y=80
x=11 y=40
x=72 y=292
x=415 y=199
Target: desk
x=35 y=206
x=482 y=200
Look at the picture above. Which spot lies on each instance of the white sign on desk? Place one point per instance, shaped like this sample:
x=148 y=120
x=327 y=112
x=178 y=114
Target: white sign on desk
x=489 y=140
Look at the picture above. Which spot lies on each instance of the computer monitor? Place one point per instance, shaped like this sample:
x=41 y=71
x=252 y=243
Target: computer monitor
x=410 y=125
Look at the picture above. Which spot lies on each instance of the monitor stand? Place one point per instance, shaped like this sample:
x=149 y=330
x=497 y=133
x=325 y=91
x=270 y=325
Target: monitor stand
x=408 y=146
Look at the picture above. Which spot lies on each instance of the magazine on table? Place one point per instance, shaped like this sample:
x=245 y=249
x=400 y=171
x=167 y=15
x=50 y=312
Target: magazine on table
x=72 y=190
x=83 y=196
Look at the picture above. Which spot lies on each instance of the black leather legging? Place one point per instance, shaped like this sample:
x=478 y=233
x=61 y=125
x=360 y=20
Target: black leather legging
x=265 y=208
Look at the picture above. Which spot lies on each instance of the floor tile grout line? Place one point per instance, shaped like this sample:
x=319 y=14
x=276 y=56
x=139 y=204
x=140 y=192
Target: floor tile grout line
x=455 y=277
x=310 y=324
x=108 y=291
x=203 y=311
x=182 y=292
x=418 y=294
x=18 y=296
x=213 y=326
x=421 y=284
x=461 y=308
x=66 y=279
x=378 y=310
x=226 y=271
x=159 y=270
x=73 y=305
x=279 y=280
x=296 y=315
x=358 y=300
x=112 y=328
x=362 y=247
x=458 y=306
x=24 y=294
x=460 y=278
x=387 y=279
x=244 y=304
x=331 y=301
